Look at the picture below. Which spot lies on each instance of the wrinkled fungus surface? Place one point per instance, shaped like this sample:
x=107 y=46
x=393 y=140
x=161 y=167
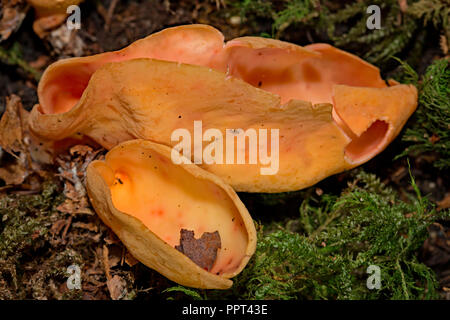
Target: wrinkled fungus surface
x=332 y=109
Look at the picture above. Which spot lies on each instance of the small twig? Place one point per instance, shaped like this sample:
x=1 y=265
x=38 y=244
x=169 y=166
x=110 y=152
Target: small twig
x=123 y=256
x=66 y=228
x=106 y=262
x=110 y=13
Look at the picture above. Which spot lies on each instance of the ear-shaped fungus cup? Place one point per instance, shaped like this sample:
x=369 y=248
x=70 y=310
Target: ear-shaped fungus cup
x=332 y=109
x=385 y=113
x=64 y=81
x=49 y=14
x=147 y=200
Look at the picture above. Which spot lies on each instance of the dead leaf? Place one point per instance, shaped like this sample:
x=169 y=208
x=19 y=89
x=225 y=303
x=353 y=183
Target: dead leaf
x=28 y=153
x=117 y=287
x=65 y=42
x=444 y=44
x=13 y=13
x=202 y=251
x=444 y=203
x=12 y=126
x=115 y=255
x=75 y=207
x=111 y=238
x=87 y=226
x=72 y=169
x=14 y=173
x=57 y=226
x=80 y=149
x=130 y=260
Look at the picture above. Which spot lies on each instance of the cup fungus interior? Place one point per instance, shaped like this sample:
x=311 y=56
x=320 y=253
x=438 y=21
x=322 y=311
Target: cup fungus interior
x=64 y=88
x=369 y=142
x=308 y=77
x=166 y=198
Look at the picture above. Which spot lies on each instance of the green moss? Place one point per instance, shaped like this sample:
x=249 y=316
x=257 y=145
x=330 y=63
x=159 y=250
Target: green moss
x=393 y=37
x=296 y=11
x=282 y=14
x=336 y=240
x=23 y=220
x=260 y=8
x=13 y=56
x=28 y=269
x=344 y=24
x=430 y=130
x=435 y=12
x=193 y=294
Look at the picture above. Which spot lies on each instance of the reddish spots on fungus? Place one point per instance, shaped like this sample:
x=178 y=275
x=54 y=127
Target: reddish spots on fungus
x=158 y=212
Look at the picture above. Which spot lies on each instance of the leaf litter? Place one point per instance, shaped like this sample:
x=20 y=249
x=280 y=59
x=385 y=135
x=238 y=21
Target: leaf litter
x=202 y=251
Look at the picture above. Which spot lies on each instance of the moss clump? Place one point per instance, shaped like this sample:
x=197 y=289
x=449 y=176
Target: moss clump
x=281 y=14
x=23 y=221
x=435 y=12
x=430 y=129
x=336 y=239
x=28 y=270
x=297 y=11
x=345 y=24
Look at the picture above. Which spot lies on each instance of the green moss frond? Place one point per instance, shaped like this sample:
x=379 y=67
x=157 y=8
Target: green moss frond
x=339 y=238
x=345 y=25
x=13 y=56
x=436 y=12
x=296 y=11
x=259 y=8
x=430 y=130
